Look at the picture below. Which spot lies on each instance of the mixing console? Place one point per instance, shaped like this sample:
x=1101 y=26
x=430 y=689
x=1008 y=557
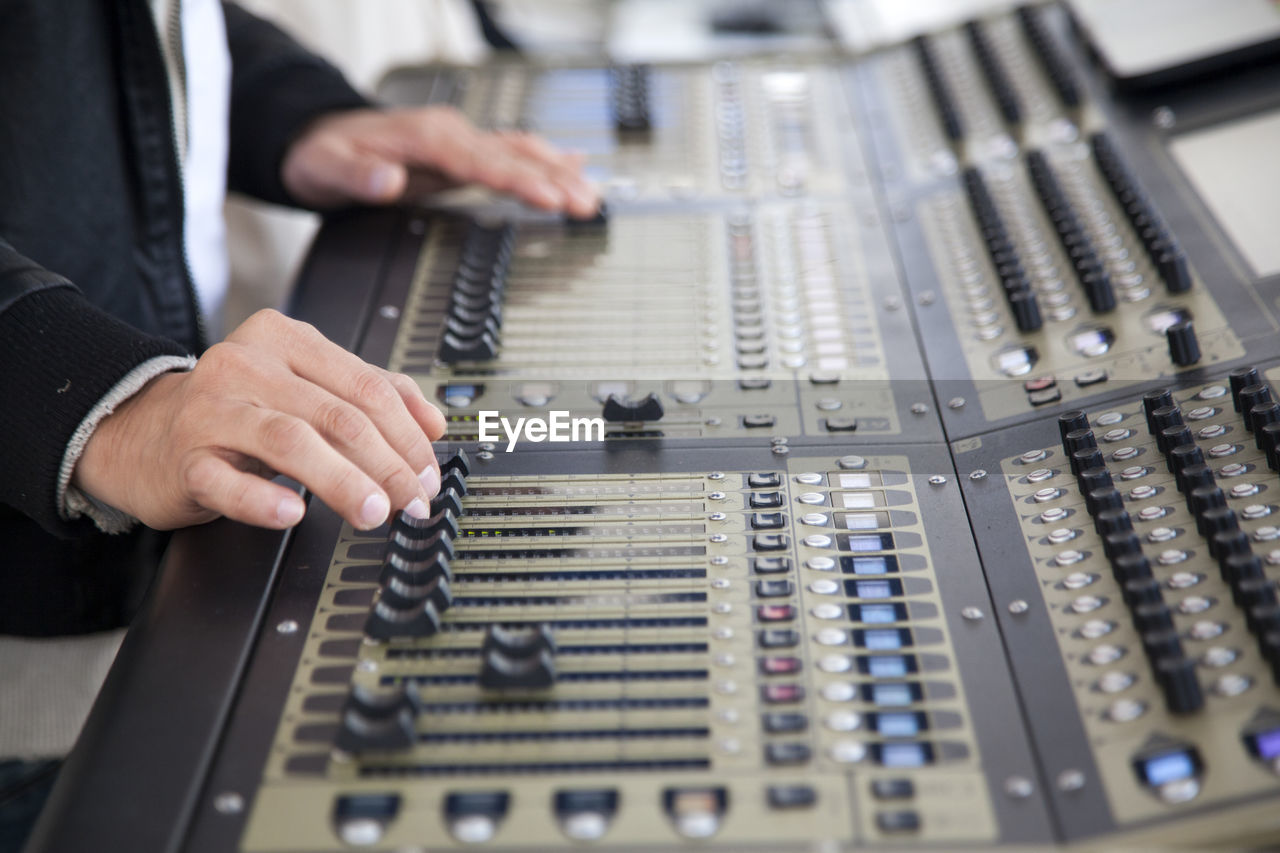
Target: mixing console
x=931 y=502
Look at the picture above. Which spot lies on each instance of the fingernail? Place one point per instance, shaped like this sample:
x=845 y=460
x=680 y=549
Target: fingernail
x=383 y=179
x=290 y=511
x=417 y=509
x=430 y=480
x=586 y=197
x=375 y=510
x=550 y=193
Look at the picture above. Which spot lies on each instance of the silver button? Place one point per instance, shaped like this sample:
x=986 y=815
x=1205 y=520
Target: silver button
x=827 y=611
x=1126 y=710
x=1162 y=534
x=1151 y=513
x=824 y=587
x=839 y=691
x=1220 y=450
x=835 y=663
x=1109 y=418
x=1061 y=535
x=832 y=637
x=1201 y=412
x=1255 y=511
x=1032 y=456
x=1046 y=495
x=1212 y=392
x=820 y=564
x=1114 y=435
x=852 y=463
x=843 y=721
x=1171 y=557
x=1184 y=580
x=814 y=519
x=1124 y=454
x=1244 y=490
x=1232 y=684
x=1053 y=514
x=1266 y=533
x=1206 y=630
x=1234 y=469
x=1212 y=431
x=1105 y=654
x=1115 y=681
x=1096 y=629
x=1194 y=604
x=1087 y=604
x=1067 y=558
x=1219 y=656
x=1078 y=580
x=809 y=478
x=1142 y=492
x=1039 y=475
x=847 y=752
x=812 y=498
x=1133 y=472
x=817 y=540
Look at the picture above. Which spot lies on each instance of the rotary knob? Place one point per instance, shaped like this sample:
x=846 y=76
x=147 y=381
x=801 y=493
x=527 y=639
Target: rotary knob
x=1241 y=378
x=1177 y=679
x=1184 y=348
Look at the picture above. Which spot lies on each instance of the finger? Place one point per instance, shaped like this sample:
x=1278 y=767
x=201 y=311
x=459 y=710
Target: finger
x=293 y=447
x=426 y=413
x=379 y=443
x=332 y=371
x=340 y=172
x=216 y=484
x=452 y=146
x=563 y=169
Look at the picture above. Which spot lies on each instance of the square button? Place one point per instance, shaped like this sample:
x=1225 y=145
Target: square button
x=775 y=612
x=893 y=789
x=778 y=638
x=758 y=421
x=781 y=694
x=900 y=821
x=775 y=588
x=768 y=520
x=784 y=723
x=766 y=480
x=780 y=665
x=765 y=500
x=771 y=565
x=790 y=796
x=770 y=542
x=787 y=753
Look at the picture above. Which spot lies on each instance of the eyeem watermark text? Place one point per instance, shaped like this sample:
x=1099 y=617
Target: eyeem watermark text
x=558 y=427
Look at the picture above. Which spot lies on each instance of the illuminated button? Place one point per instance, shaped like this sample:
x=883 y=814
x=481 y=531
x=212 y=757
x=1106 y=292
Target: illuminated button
x=775 y=613
x=780 y=665
x=777 y=638
x=1173 y=772
x=781 y=694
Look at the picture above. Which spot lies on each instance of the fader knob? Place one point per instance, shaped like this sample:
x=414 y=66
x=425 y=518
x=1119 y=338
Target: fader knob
x=1078 y=439
x=1183 y=455
x=1260 y=416
x=1072 y=421
x=1026 y=311
x=1184 y=349
x=459 y=462
x=1094 y=478
x=1241 y=378
x=1112 y=521
x=412 y=571
x=1086 y=458
x=1164 y=417
x=1194 y=477
x=1172 y=266
x=1153 y=400
x=1250 y=396
x=1178 y=683
x=378 y=720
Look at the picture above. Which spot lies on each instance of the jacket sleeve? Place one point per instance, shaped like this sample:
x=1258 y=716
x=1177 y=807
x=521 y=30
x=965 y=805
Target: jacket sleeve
x=61 y=356
x=277 y=88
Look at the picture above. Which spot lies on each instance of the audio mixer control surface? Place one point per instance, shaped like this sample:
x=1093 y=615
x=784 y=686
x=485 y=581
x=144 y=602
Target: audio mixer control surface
x=893 y=462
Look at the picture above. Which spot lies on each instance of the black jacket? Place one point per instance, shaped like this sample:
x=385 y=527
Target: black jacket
x=93 y=276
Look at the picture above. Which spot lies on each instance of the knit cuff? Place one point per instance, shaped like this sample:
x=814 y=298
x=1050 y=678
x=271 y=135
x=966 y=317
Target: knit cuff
x=73 y=503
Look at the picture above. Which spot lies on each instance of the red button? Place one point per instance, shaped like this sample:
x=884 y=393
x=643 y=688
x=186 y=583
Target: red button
x=781 y=694
x=776 y=612
x=1041 y=384
x=780 y=665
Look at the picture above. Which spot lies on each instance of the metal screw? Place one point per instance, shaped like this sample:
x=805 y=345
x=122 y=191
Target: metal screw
x=891 y=303
x=973 y=614
x=1164 y=118
x=488 y=445
x=367 y=665
x=781 y=450
x=778 y=439
x=717 y=516
x=716 y=475
x=956 y=403
x=712 y=422
x=288 y=626
x=1019 y=787
x=1070 y=780
x=978 y=475
x=485 y=455
x=228 y=803
x=926 y=298
x=389 y=312
x=919 y=408
x=1018 y=606
x=937 y=480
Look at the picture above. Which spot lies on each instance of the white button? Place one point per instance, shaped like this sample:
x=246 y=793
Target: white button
x=1067 y=558
x=1115 y=681
x=1125 y=710
x=1105 y=654
x=1096 y=629
x=1086 y=604
x=824 y=587
x=1206 y=630
x=820 y=564
x=1078 y=580
x=1053 y=514
x=839 y=691
x=828 y=611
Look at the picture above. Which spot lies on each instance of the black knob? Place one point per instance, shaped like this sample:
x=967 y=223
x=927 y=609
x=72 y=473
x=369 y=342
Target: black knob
x=453 y=478
x=386 y=622
x=378 y=719
x=408 y=531
x=1260 y=416
x=1153 y=400
x=1072 y=421
x=1226 y=543
x=1098 y=290
x=1131 y=566
x=403 y=595
x=1120 y=544
x=1162 y=644
x=1173 y=436
x=1154 y=617
x=1238 y=568
x=1254 y=592
x=1086 y=458
x=1269 y=645
x=414 y=571
x=1241 y=378
x=1204 y=498
x=1194 y=477
x=1269 y=435
x=459 y=462
x=1140 y=591
x=519 y=643
x=1093 y=478
x=454 y=349
x=1107 y=497
x=1178 y=683
x=1112 y=521
x=1183 y=455
x=1250 y=396
x=447 y=500
x=1163 y=417
x=1026 y=310
x=1173 y=269
x=1215 y=520
x=1263 y=620
x=1078 y=439
x=617 y=410
x=1184 y=349
x=440 y=542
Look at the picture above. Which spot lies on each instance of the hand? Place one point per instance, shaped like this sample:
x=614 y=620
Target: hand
x=275 y=396
x=383 y=156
